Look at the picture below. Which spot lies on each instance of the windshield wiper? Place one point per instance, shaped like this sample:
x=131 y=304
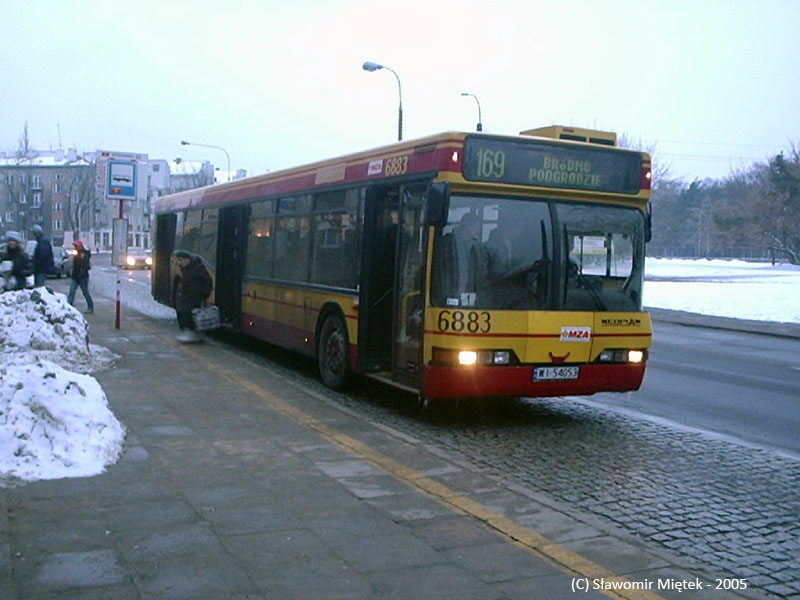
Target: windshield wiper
x=598 y=302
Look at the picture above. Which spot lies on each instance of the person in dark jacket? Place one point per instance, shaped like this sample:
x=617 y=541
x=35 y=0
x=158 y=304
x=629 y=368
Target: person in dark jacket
x=43 y=264
x=81 y=263
x=15 y=264
x=194 y=287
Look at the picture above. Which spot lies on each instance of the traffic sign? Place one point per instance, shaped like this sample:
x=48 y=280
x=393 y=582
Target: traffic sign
x=121 y=180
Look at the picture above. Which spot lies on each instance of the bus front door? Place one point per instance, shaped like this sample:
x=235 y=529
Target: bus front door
x=392 y=273
x=231 y=250
x=409 y=277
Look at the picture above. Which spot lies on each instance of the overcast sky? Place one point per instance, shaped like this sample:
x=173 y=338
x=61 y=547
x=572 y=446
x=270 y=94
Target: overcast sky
x=714 y=85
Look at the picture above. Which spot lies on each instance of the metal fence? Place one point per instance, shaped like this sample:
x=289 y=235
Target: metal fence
x=759 y=254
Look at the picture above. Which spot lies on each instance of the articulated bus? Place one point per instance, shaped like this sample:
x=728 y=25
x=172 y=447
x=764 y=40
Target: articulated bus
x=457 y=265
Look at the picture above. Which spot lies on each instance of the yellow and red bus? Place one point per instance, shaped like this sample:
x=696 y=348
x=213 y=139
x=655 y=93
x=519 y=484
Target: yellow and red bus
x=457 y=265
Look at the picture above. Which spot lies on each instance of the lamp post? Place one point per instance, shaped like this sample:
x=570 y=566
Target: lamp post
x=371 y=66
x=185 y=143
x=480 y=124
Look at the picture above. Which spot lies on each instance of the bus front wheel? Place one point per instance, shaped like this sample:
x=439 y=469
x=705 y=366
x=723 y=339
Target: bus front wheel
x=332 y=352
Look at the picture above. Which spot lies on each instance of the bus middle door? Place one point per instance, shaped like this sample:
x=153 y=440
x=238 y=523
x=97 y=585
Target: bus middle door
x=377 y=289
x=231 y=250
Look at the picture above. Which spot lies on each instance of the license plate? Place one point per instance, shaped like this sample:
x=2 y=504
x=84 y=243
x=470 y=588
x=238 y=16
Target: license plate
x=554 y=373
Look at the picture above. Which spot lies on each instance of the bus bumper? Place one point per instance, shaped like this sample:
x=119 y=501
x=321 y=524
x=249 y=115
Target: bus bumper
x=473 y=382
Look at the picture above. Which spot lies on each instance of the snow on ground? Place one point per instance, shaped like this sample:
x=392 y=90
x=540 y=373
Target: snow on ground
x=54 y=421
x=724 y=288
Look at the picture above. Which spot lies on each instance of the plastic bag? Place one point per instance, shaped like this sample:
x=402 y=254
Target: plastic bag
x=206 y=318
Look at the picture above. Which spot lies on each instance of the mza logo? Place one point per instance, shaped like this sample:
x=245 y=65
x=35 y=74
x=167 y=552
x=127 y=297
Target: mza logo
x=576 y=334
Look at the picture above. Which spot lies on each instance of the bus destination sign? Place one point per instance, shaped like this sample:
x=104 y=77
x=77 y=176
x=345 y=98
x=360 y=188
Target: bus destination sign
x=551 y=165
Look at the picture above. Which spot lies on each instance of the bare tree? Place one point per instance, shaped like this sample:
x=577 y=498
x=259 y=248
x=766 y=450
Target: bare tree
x=782 y=195
x=190 y=177
x=24 y=150
x=661 y=168
x=80 y=191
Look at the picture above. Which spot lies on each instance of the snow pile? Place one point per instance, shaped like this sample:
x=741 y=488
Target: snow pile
x=54 y=422
x=40 y=322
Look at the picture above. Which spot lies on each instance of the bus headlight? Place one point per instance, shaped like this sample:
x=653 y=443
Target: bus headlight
x=498 y=358
x=467 y=357
x=607 y=356
x=635 y=356
x=621 y=355
x=501 y=357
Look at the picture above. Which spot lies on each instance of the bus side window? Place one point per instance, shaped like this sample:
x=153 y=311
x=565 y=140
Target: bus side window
x=293 y=238
x=260 y=240
x=190 y=238
x=335 y=245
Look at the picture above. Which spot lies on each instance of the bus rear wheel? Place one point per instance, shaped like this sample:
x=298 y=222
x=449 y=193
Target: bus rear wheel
x=332 y=352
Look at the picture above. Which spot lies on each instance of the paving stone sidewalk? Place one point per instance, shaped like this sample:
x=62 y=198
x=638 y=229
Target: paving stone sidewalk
x=220 y=495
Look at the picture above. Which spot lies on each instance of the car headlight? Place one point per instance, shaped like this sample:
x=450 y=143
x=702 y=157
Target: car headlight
x=148 y=261
x=130 y=261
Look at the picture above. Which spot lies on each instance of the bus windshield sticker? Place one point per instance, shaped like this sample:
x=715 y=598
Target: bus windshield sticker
x=468 y=298
x=551 y=165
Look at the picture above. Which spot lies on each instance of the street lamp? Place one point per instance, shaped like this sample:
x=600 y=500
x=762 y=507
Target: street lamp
x=480 y=125
x=371 y=66
x=185 y=143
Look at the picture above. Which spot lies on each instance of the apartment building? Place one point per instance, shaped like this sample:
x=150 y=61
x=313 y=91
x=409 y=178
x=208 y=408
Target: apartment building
x=60 y=191
x=53 y=189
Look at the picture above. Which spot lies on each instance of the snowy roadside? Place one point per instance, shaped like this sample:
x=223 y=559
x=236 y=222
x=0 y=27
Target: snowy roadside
x=54 y=418
x=734 y=289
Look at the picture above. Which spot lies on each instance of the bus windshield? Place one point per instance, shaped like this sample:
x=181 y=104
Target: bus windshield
x=604 y=250
x=510 y=254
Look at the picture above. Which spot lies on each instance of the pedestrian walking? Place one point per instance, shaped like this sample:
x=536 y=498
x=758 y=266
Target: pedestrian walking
x=81 y=264
x=43 y=264
x=194 y=287
x=15 y=264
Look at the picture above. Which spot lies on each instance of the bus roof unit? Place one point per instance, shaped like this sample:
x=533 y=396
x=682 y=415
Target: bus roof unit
x=575 y=134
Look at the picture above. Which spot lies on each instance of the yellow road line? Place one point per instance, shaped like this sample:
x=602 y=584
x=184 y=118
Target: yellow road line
x=534 y=543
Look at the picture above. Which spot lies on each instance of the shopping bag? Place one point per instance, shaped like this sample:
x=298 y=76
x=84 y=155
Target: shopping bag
x=205 y=318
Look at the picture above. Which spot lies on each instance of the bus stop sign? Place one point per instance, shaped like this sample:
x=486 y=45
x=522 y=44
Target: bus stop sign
x=121 y=180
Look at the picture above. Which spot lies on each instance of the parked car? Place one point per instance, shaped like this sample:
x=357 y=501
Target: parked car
x=63 y=261
x=138 y=259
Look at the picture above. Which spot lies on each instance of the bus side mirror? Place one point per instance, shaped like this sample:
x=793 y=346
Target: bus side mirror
x=438 y=203
x=648 y=223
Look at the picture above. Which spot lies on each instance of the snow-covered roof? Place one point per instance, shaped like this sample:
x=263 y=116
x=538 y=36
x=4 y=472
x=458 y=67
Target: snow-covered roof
x=46 y=158
x=187 y=167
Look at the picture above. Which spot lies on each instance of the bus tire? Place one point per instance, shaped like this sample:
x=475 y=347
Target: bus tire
x=332 y=351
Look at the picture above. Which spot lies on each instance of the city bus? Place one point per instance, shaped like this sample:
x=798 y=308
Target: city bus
x=458 y=265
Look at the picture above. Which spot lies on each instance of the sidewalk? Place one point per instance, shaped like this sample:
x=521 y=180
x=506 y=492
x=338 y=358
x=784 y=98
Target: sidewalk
x=679 y=317
x=238 y=483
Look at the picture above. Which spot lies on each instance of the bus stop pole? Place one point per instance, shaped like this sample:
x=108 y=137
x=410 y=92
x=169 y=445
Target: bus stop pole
x=118 y=307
